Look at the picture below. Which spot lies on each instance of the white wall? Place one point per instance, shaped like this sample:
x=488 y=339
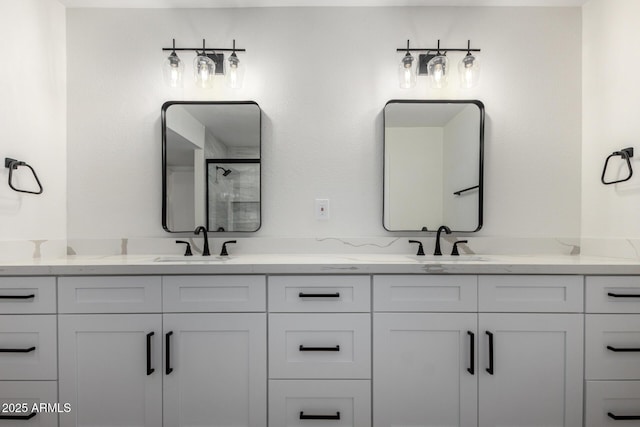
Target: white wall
x=611 y=113
x=33 y=119
x=322 y=77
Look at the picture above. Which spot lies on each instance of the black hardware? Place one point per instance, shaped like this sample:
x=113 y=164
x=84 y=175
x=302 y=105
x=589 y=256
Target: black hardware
x=623 y=417
x=429 y=49
x=303 y=295
x=150 y=370
x=472 y=351
x=17 y=350
x=626 y=154
x=319 y=417
x=303 y=348
x=224 y=252
x=17 y=296
x=167 y=354
x=13 y=164
x=218 y=58
x=623 y=350
x=442 y=228
x=490 y=368
x=187 y=251
x=459 y=192
x=454 y=251
x=614 y=295
x=18 y=417
x=420 y=248
x=209 y=49
x=205 y=250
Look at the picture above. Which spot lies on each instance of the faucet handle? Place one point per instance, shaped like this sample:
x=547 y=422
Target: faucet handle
x=454 y=252
x=187 y=252
x=420 y=248
x=224 y=252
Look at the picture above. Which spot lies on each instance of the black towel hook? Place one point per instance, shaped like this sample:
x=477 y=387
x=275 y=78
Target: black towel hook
x=13 y=164
x=626 y=154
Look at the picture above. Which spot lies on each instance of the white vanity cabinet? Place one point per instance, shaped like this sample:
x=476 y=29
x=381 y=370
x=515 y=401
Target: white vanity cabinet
x=487 y=364
x=612 y=351
x=28 y=352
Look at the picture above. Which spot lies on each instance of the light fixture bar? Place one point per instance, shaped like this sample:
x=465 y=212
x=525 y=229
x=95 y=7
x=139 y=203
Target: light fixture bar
x=434 y=49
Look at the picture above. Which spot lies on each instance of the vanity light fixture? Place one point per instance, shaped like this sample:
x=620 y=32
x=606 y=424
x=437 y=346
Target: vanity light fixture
x=207 y=63
x=407 y=71
x=435 y=64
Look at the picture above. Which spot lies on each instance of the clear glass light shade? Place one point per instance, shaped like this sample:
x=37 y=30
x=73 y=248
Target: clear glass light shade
x=407 y=72
x=438 y=71
x=172 y=70
x=469 y=71
x=234 y=72
x=204 y=70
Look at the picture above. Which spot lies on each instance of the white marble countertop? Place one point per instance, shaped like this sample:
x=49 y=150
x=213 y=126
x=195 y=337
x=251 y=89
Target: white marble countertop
x=322 y=264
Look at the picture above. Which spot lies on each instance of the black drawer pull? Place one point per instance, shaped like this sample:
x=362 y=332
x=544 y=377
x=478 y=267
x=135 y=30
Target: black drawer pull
x=614 y=295
x=319 y=417
x=303 y=295
x=303 y=348
x=18 y=417
x=622 y=350
x=18 y=296
x=167 y=349
x=17 y=350
x=150 y=370
x=623 y=417
x=490 y=368
x=472 y=351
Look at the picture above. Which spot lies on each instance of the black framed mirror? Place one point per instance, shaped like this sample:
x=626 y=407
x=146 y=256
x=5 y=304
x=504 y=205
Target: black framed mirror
x=433 y=165
x=211 y=171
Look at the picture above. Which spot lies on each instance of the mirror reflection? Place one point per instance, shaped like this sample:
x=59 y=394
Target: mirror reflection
x=433 y=160
x=211 y=166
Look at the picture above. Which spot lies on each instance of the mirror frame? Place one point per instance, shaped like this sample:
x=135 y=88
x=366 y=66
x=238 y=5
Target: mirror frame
x=163 y=120
x=480 y=106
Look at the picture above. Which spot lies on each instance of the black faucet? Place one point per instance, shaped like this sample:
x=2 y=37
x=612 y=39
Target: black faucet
x=224 y=252
x=440 y=229
x=205 y=250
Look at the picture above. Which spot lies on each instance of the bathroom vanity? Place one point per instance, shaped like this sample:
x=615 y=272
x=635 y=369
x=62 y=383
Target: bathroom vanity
x=332 y=340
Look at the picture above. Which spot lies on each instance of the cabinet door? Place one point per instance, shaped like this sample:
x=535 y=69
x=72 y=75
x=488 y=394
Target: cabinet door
x=110 y=370
x=215 y=371
x=531 y=370
x=424 y=369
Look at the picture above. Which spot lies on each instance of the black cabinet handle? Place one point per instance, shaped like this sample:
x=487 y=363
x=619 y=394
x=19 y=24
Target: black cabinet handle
x=472 y=351
x=490 y=368
x=622 y=417
x=17 y=350
x=622 y=350
x=150 y=370
x=319 y=417
x=18 y=296
x=614 y=295
x=18 y=417
x=167 y=349
x=303 y=348
x=303 y=295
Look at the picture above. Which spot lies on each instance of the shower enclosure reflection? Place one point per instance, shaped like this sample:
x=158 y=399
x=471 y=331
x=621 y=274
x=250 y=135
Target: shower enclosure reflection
x=211 y=166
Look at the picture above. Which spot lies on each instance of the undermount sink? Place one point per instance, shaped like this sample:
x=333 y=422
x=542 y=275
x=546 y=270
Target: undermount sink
x=191 y=259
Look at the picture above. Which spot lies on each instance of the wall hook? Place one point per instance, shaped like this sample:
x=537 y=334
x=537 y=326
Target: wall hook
x=626 y=154
x=13 y=164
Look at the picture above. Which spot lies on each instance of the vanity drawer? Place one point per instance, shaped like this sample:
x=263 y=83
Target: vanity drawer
x=213 y=293
x=534 y=294
x=109 y=294
x=320 y=346
x=320 y=403
x=22 y=295
x=17 y=400
x=28 y=347
x=618 y=398
x=319 y=294
x=425 y=293
x=613 y=294
x=612 y=346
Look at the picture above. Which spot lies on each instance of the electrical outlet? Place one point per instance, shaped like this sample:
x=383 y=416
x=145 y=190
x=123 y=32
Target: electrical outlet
x=322 y=209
